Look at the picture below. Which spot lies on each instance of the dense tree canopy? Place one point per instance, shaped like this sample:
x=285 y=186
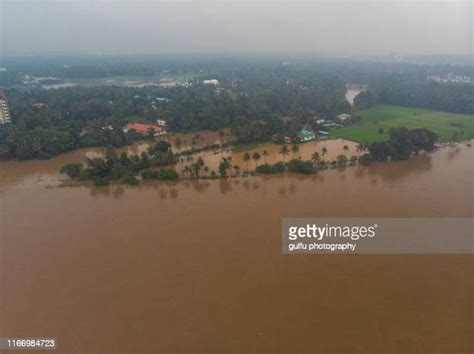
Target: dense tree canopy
x=251 y=98
x=402 y=143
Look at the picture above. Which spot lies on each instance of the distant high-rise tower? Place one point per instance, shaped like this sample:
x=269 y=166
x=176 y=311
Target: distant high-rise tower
x=5 y=115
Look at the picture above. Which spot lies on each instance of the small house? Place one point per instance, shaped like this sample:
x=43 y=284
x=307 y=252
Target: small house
x=144 y=128
x=343 y=117
x=305 y=135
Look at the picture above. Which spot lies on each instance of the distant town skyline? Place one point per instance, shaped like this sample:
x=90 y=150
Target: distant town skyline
x=154 y=27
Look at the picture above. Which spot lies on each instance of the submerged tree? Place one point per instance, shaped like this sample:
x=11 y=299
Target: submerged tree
x=315 y=158
x=247 y=159
x=324 y=151
x=284 y=151
x=237 y=170
x=178 y=143
x=256 y=157
x=197 y=166
x=224 y=166
x=295 y=149
x=265 y=154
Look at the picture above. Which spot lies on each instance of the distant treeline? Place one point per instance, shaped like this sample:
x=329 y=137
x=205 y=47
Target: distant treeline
x=252 y=96
x=48 y=122
x=449 y=98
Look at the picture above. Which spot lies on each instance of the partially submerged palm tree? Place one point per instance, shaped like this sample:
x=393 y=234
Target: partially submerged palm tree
x=237 y=170
x=224 y=166
x=284 y=151
x=315 y=158
x=295 y=149
x=247 y=159
x=186 y=170
x=197 y=166
x=178 y=143
x=265 y=154
x=324 y=151
x=256 y=157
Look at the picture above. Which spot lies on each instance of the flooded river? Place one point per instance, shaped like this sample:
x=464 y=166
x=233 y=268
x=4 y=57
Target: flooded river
x=196 y=267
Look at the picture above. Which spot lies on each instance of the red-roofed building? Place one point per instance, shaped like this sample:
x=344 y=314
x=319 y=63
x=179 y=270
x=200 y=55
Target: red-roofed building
x=144 y=128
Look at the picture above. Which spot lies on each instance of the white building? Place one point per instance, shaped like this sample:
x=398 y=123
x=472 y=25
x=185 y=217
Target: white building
x=344 y=116
x=5 y=116
x=161 y=123
x=211 y=82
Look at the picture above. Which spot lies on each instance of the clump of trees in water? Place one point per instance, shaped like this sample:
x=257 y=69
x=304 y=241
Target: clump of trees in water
x=125 y=168
x=163 y=174
x=402 y=143
x=266 y=168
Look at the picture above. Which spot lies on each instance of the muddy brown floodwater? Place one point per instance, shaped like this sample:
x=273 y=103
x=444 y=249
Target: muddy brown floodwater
x=196 y=267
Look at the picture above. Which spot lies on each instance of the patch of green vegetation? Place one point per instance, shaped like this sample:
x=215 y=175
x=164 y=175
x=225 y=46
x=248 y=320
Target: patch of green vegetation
x=448 y=126
x=279 y=167
x=139 y=119
x=164 y=174
x=300 y=166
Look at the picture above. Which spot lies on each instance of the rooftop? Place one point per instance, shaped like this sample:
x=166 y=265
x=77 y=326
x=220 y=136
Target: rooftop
x=305 y=132
x=143 y=128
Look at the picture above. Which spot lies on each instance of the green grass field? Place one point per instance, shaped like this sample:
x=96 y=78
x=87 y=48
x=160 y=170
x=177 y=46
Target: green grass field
x=442 y=123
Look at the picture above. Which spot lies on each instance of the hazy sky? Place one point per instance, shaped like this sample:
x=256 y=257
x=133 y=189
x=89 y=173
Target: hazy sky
x=155 y=26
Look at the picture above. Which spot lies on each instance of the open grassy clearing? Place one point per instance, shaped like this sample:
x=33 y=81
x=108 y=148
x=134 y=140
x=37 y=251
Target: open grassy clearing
x=383 y=116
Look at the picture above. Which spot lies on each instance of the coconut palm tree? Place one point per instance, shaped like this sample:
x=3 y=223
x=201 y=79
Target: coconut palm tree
x=206 y=170
x=284 y=151
x=256 y=157
x=224 y=165
x=237 y=170
x=197 y=166
x=324 y=151
x=186 y=170
x=247 y=159
x=295 y=149
x=345 y=148
x=178 y=143
x=315 y=157
x=265 y=154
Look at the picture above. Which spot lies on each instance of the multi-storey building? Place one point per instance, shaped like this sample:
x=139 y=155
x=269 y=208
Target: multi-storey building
x=5 y=115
